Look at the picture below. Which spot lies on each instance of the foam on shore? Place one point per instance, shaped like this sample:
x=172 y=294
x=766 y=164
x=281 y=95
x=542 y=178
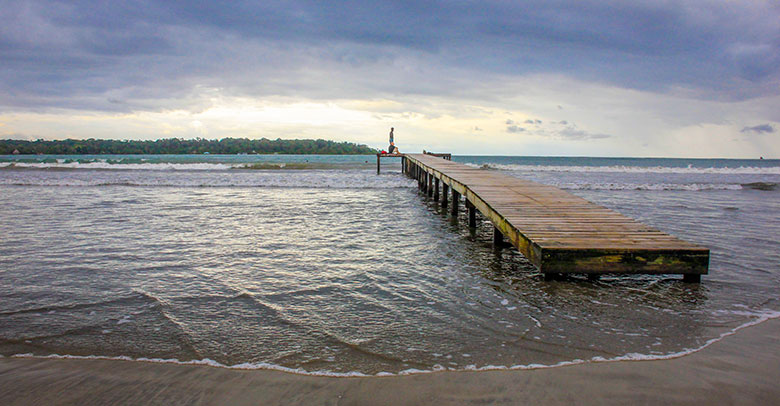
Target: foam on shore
x=740 y=170
x=761 y=317
x=135 y=165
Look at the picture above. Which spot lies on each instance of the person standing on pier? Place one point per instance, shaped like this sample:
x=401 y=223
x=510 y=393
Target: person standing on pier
x=391 y=149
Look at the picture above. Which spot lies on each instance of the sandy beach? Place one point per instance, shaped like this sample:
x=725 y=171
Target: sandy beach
x=740 y=369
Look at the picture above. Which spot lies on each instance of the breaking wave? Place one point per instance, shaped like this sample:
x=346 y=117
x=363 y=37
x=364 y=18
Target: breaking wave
x=109 y=165
x=741 y=170
x=690 y=187
x=315 y=179
x=758 y=318
x=760 y=186
x=169 y=166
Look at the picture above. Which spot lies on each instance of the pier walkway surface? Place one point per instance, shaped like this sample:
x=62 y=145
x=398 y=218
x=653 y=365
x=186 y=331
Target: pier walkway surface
x=558 y=232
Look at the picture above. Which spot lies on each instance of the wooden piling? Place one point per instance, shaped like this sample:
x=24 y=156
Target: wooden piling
x=498 y=237
x=692 y=278
x=472 y=214
x=455 y=201
x=405 y=163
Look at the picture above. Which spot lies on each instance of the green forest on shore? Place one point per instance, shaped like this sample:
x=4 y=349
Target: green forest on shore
x=183 y=146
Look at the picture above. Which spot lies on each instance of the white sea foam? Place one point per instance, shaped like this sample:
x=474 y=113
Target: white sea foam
x=741 y=170
x=691 y=187
x=307 y=185
x=104 y=164
x=760 y=317
x=318 y=179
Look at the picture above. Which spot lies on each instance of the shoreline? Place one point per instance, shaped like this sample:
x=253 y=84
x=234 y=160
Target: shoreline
x=741 y=368
x=263 y=366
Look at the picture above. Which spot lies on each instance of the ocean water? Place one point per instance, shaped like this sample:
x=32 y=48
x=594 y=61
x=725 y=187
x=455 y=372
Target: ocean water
x=316 y=264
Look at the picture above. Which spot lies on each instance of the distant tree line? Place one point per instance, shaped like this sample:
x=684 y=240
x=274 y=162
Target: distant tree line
x=184 y=146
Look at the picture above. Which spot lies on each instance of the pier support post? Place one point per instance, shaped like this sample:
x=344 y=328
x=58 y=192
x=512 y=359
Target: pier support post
x=377 y=163
x=444 y=191
x=472 y=214
x=691 y=278
x=455 y=201
x=498 y=236
x=436 y=190
x=430 y=185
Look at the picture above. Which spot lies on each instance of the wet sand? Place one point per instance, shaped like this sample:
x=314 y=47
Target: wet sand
x=740 y=369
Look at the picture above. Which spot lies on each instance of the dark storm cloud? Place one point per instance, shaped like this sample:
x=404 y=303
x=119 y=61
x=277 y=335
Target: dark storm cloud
x=147 y=55
x=759 y=129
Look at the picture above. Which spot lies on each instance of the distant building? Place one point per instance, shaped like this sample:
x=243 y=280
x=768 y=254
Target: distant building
x=16 y=152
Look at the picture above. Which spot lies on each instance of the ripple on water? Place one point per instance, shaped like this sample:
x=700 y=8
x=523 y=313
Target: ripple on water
x=351 y=280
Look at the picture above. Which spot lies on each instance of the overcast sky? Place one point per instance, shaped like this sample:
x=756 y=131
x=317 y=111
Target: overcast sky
x=597 y=78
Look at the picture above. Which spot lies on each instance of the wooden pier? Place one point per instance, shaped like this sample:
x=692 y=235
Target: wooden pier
x=558 y=232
